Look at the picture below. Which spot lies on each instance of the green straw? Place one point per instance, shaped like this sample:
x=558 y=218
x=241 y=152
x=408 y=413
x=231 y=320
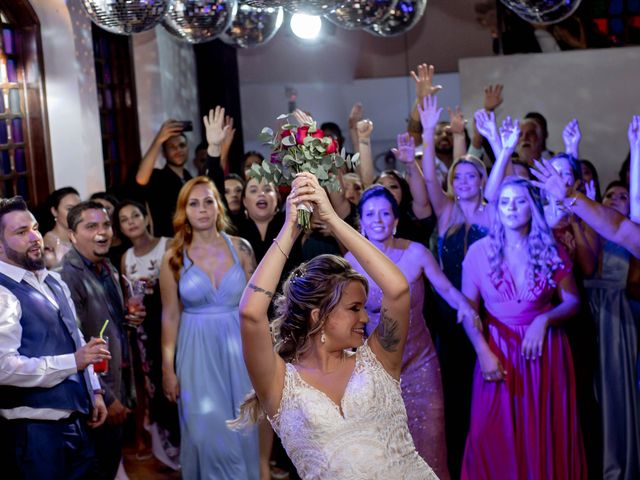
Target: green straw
x=104 y=327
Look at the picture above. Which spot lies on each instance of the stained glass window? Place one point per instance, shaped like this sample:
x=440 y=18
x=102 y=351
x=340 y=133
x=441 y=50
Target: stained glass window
x=24 y=157
x=116 y=101
x=13 y=166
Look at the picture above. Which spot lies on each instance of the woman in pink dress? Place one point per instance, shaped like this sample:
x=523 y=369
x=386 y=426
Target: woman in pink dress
x=524 y=420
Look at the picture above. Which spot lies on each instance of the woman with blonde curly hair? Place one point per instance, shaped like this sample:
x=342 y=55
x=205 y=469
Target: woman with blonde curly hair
x=202 y=277
x=524 y=420
x=339 y=413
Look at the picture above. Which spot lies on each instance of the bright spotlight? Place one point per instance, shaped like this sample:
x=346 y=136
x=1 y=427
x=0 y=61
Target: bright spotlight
x=306 y=27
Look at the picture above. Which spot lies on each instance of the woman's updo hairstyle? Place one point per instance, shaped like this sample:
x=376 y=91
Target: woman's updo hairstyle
x=318 y=283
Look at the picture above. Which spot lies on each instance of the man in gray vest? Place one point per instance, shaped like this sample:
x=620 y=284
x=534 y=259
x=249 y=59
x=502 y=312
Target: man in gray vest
x=49 y=393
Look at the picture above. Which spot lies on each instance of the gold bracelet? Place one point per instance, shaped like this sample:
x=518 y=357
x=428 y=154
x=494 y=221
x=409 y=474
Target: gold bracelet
x=279 y=248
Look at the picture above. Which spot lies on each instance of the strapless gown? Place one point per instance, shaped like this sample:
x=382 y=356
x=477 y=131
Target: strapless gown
x=365 y=438
x=213 y=377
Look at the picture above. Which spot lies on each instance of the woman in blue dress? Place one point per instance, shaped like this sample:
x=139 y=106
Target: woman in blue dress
x=617 y=319
x=202 y=278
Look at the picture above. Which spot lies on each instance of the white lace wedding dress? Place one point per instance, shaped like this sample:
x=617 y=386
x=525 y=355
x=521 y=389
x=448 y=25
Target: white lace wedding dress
x=369 y=440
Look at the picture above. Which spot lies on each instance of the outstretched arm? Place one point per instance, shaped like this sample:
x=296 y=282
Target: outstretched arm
x=509 y=133
x=265 y=367
x=355 y=116
x=388 y=339
x=485 y=123
x=168 y=129
x=405 y=153
x=457 y=129
x=365 y=167
x=571 y=136
x=424 y=87
x=606 y=221
x=429 y=117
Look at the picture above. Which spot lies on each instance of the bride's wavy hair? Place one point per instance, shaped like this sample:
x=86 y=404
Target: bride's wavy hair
x=318 y=283
x=542 y=252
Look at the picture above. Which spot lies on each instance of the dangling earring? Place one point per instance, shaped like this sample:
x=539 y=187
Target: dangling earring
x=395 y=230
x=323 y=337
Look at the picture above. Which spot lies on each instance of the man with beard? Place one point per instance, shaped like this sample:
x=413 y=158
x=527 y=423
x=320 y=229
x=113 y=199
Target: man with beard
x=531 y=142
x=48 y=391
x=94 y=286
x=162 y=186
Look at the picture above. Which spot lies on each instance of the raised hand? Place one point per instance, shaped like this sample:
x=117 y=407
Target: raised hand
x=424 y=81
x=406 y=150
x=590 y=190
x=169 y=129
x=364 y=128
x=306 y=189
x=429 y=113
x=509 y=133
x=214 y=126
x=229 y=134
x=356 y=115
x=634 y=133
x=550 y=180
x=492 y=97
x=456 y=121
x=303 y=118
x=486 y=125
x=571 y=136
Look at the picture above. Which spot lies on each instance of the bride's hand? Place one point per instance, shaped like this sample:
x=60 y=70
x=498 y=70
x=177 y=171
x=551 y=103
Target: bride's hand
x=306 y=189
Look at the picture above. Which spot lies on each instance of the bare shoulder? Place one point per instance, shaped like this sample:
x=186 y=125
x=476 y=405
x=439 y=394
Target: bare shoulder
x=242 y=245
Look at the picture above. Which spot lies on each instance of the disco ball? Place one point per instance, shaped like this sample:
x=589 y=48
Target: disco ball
x=125 y=16
x=309 y=7
x=253 y=26
x=543 y=12
x=352 y=14
x=403 y=17
x=197 y=21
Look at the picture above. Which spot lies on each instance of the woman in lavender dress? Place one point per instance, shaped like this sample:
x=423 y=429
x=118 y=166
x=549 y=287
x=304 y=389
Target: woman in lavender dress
x=420 y=377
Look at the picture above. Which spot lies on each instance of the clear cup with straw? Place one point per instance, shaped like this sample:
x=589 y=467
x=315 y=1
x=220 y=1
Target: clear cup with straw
x=102 y=367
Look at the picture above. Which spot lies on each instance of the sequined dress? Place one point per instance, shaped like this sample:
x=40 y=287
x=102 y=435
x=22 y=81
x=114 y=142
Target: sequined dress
x=420 y=379
x=365 y=438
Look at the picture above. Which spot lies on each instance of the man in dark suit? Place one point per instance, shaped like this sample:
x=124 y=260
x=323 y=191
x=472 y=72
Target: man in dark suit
x=95 y=290
x=48 y=391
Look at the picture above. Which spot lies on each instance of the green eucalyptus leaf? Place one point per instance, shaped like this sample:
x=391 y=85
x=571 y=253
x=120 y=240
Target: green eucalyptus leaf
x=283 y=116
x=266 y=166
x=289 y=141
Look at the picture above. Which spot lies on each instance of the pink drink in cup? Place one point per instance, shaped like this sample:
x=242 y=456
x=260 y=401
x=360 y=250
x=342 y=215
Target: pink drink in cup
x=135 y=301
x=102 y=366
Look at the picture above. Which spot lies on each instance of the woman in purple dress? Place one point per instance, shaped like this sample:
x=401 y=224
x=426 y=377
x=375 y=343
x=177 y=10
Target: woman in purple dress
x=420 y=377
x=524 y=420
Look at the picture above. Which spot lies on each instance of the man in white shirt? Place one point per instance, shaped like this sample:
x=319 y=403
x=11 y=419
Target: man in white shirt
x=49 y=393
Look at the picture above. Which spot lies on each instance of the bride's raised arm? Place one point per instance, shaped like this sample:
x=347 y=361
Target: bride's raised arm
x=265 y=367
x=388 y=339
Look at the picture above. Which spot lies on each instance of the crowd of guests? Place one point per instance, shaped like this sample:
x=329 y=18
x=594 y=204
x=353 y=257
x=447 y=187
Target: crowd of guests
x=523 y=275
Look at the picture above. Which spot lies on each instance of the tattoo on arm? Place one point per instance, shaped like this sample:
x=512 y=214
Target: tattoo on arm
x=245 y=247
x=388 y=332
x=257 y=289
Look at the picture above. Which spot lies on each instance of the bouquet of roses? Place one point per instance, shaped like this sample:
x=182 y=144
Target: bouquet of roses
x=300 y=146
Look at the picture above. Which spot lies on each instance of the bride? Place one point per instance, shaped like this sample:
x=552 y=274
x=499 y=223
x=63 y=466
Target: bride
x=339 y=414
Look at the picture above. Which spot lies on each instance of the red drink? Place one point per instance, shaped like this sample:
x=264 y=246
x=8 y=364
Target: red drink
x=102 y=366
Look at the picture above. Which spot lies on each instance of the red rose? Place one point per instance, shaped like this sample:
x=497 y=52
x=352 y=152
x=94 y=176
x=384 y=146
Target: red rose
x=301 y=134
x=332 y=147
x=318 y=134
